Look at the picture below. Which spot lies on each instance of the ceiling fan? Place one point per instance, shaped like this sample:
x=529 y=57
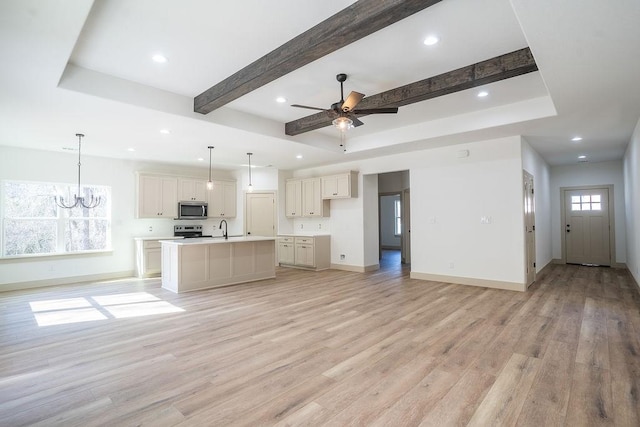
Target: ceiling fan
x=344 y=111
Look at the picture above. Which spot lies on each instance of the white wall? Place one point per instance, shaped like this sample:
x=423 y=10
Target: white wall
x=632 y=203
x=536 y=166
x=585 y=174
x=456 y=192
x=35 y=165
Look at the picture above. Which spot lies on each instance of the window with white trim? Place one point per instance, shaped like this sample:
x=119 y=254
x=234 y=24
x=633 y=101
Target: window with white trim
x=33 y=224
x=397 y=207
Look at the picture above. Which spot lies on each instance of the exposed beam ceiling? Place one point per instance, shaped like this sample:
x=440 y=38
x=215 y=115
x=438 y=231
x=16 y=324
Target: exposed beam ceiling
x=492 y=70
x=357 y=21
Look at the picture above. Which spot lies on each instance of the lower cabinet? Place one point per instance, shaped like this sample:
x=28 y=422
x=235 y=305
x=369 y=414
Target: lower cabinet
x=310 y=252
x=148 y=258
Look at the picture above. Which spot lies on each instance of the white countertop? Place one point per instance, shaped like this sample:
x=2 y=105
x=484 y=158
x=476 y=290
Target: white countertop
x=157 y=238
x=216 y=240
x=303 y=234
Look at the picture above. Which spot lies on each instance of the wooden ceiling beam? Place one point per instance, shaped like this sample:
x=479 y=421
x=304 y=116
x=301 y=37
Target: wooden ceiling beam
x=492 y=70
x=357 y=21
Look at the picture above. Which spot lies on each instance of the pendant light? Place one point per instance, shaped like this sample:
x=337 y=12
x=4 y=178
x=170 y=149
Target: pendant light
x=250 y=188
x=78 y=200
x=210 y=182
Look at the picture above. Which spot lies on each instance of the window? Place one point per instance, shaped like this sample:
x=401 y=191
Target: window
x=398 y=216
x=33 y=223
x=586 y=203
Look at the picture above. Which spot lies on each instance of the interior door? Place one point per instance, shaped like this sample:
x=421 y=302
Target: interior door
x=260 y=214
x=406 y=224
x=587 y=227
x=529 y=227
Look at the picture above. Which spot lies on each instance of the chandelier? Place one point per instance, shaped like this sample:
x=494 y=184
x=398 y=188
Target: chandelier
x=78 y=200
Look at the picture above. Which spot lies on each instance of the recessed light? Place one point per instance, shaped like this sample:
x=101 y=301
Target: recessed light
x=582 y=157
x=431 y=40
x=299 y=156
x=159 y=58
x=482 y=94
x=131 y=149
x=281 y=99
x=576 y=138
x=165 y=131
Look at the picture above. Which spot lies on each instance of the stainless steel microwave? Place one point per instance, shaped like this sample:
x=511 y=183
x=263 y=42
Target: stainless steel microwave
x=192 y=210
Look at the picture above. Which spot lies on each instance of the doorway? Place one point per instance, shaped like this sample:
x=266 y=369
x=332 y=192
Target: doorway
x=393 y=218
x=260 y=213
x=587 y=213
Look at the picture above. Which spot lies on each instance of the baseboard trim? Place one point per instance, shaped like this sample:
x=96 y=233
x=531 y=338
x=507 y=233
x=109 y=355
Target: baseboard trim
x=18 y=286
x=495 y=284
x=633 y=279
x=356 y=268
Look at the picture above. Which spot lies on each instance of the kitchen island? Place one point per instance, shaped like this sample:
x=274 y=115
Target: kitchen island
x=201 y=263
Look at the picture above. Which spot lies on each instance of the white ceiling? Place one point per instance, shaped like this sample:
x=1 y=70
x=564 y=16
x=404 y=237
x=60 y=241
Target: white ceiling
x=79 y=66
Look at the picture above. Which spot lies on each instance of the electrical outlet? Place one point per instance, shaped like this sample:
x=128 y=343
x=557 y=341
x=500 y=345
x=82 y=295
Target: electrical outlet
x=342 y=256
x=150 y=228
x=301 y=226
x=319 y=226
x=451 y=265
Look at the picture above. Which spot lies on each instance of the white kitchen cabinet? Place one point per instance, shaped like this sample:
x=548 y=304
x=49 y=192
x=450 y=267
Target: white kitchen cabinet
x=157 y=196
x=312 y=203
x=192 y=190
x=293 y=198
x=340 y=186
x=148 y=257
x=222 y=199
x=286 y=250
x=308 y=252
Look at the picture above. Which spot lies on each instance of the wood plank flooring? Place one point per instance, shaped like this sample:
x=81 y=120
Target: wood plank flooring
x=325 y=348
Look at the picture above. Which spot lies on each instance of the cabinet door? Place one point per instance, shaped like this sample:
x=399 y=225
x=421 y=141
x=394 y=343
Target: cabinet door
x=305 y=255
x=337 y=186
x=192 y=190
x=157 y=196
x=222 y=200
x=230 y=199
x=169 y=203
x=286 y=253
x=293 y=198
x=149 y=196
x=311 y=198
x=329 y=187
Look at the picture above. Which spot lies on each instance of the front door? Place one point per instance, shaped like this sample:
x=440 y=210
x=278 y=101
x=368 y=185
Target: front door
x=587 y=227
x=260 y=214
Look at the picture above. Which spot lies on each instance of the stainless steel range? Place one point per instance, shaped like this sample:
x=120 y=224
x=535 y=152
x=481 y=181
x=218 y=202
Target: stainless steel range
x=188 y=231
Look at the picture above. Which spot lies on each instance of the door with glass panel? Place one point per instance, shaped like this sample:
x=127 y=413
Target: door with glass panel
x=586 y=227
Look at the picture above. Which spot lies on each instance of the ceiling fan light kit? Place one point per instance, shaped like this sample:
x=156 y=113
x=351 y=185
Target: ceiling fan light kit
x=344 y=112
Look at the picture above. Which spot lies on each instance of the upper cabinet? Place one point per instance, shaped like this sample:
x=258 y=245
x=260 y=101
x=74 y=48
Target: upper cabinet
x=312 y=203
x=192 y=189
x=157 y=196
x=340 y=186
x=222 y=199
x=293 y=198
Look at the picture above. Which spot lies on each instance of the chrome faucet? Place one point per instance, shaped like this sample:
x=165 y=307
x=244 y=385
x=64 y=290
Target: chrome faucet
x=224 y=233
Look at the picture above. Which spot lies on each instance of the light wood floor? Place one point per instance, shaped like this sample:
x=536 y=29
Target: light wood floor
x=328 y=348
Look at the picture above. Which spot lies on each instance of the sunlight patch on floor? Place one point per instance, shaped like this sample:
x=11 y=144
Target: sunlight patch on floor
x=103 y=307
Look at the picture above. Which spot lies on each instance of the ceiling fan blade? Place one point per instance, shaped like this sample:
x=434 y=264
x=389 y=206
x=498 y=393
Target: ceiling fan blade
x=307 y=107
x=356 y=121
x=391 y=110
x=352 y=100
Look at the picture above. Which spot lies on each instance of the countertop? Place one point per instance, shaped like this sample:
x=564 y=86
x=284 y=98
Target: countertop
x=157 y=238
x=303 y=234
x=216 y=240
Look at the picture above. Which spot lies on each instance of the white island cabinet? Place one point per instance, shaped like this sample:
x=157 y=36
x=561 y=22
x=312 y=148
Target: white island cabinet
x=202 y=263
